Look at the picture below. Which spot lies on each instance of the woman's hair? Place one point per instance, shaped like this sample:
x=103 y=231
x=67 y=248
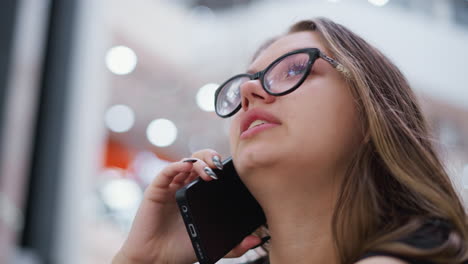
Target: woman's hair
x=395 y=181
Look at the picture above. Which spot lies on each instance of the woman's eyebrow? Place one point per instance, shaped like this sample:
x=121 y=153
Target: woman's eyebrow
x=252 y=70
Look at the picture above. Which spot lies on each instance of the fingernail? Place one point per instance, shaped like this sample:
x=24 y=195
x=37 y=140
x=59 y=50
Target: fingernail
x=190 y=160
x=210 y=173
x=217 y=162
x=264 y=240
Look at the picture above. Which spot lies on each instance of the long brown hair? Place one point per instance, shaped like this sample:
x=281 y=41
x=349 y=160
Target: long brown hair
x=396 y=181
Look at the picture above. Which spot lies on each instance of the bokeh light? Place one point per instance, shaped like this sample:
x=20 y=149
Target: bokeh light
x=205 y=97
x=119 y=118
x=121 y=60
x=121 y=194
x=378 y=2
x=161 y=132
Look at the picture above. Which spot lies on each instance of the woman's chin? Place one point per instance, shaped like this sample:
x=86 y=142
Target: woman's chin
x=255 y=158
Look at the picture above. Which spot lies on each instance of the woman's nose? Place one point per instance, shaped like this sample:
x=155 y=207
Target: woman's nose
x=253 y=93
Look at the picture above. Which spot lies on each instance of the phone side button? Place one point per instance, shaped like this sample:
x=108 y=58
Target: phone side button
x=192 y=230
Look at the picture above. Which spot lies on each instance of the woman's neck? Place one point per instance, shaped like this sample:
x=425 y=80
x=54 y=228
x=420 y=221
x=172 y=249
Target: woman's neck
x=301 y=234
x=299 y=215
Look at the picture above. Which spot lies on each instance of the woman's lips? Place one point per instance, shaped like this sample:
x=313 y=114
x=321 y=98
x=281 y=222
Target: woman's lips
x=249 y=122
x=257 y=129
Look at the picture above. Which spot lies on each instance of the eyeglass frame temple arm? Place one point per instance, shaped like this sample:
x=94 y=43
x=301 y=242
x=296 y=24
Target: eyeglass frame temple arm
x=338 y=66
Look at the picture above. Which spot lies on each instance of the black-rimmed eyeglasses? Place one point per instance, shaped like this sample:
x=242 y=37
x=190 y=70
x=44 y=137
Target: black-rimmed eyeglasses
x=281 y=77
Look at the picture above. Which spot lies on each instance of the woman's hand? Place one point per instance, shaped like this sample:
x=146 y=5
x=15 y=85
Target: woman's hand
x=158 y=233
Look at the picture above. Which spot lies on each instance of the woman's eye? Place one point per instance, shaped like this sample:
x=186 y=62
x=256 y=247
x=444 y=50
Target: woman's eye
x=296 y=69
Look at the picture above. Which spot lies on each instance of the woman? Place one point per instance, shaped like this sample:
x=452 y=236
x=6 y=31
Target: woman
x=332 y=143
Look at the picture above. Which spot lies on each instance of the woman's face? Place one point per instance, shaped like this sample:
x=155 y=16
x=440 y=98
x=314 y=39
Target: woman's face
x=315 y=125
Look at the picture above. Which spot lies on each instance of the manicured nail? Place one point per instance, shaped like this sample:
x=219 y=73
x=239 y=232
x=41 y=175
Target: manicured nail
x=264 y=240
x=190 y=160
x=210 y=173
x=217 y=162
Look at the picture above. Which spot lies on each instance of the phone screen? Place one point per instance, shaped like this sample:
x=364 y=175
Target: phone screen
x=218 y=214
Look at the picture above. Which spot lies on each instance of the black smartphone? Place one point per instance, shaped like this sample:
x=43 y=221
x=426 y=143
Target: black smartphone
x=218 y=214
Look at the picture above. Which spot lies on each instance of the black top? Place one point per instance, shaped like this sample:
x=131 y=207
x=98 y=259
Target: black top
x=431 y=234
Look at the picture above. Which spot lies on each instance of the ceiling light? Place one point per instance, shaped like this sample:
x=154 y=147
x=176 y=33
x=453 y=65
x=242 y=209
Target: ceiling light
x=121 y=60
x=119 y=118
x=161 y=132
x=121 y=194
x=378 y=2
x=205 y=97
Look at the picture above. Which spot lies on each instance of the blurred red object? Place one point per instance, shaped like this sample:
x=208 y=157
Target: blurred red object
x=117 y=155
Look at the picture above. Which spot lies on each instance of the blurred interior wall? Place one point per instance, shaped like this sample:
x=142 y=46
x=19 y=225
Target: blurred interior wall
x=7 y=18
x=51 y=99
x=22 y=34
x=45 y=175
x=84 y=135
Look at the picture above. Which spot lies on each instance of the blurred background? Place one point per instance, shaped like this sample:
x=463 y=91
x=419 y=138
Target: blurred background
x=97 y=96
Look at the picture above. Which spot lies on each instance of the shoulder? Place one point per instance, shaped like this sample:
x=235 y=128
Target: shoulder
x=381 y=260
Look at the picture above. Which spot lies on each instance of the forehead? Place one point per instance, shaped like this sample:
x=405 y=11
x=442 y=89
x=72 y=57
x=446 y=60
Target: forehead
x=283 y=45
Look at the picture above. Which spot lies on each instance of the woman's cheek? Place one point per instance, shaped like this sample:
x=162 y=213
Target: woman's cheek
x=233 y=133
